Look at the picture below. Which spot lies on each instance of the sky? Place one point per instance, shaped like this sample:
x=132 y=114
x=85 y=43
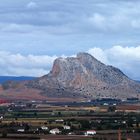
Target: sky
x=33 y=33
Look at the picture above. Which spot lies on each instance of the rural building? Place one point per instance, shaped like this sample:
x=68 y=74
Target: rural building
x=66 y=127
x=44 y=127
x=55 y=131
x=90 y=132
x=1 y=117
x=59 y=121
x=21 y=130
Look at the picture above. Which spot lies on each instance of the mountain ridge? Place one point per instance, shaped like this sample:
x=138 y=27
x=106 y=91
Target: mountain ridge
x=81 y=77
x=87 y=77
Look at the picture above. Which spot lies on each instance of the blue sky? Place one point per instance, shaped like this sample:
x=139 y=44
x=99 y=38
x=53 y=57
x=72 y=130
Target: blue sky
x=34 y=32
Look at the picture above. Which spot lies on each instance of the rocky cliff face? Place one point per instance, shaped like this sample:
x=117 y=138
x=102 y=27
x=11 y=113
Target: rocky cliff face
x=85 y=76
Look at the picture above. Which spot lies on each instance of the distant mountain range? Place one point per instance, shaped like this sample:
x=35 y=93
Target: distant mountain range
x=80 y=77
x=14 y=78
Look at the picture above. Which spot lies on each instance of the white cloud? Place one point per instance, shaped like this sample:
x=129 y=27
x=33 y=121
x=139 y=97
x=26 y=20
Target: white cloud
x=99 y=54
x=32 y=5
x=31 y=65
x=125 y=58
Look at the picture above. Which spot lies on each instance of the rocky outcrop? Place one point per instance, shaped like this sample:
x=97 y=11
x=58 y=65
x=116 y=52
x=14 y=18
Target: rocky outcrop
x=85 y=76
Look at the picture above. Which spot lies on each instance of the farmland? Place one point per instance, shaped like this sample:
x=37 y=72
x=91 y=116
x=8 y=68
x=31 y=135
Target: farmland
x=27 y=120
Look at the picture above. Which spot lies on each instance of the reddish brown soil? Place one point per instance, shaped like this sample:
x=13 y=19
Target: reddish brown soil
x=23 y=93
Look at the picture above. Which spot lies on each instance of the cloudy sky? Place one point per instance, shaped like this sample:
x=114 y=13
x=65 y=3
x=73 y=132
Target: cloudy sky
x=34 y=32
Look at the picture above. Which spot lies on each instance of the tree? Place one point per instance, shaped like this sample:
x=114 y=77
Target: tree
x=111 y=108
x=27 y=127
x=59 y=113
x=85 y=124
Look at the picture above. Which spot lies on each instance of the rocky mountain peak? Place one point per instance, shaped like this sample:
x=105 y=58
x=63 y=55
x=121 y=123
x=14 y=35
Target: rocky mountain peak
x=85 y=76
x=86 y=57
x=82 y=63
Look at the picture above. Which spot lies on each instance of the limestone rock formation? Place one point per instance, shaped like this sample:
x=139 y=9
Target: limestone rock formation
x=85 y=76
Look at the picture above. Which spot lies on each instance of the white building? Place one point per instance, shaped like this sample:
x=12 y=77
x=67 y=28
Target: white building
x=90 y=132
x=59 y=121
x=21 y=130
x=55 y=131
x=44 y=127
x=66 y=127
x=1 y=117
